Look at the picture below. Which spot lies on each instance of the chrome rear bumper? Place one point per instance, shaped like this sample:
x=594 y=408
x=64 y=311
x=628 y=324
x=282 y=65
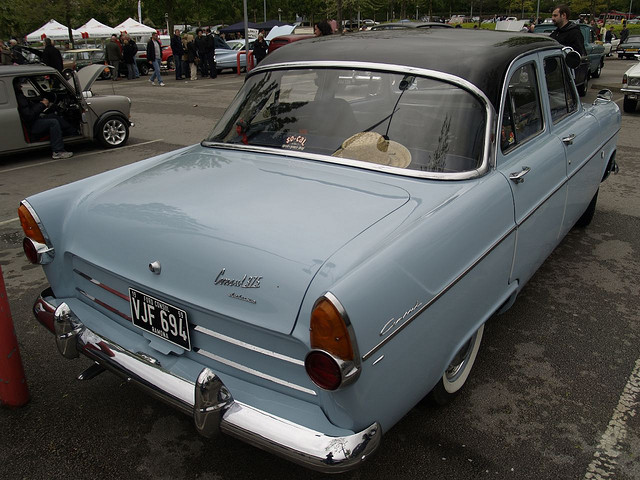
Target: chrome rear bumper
x=207 y=399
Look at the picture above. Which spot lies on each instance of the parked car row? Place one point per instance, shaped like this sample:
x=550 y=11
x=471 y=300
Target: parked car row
x=399 y=199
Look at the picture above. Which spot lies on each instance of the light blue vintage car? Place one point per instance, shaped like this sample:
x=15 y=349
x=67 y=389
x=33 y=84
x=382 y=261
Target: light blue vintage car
x=329 y=255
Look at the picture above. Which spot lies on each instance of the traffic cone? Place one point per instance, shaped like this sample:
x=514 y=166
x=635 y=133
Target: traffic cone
x=13 y=385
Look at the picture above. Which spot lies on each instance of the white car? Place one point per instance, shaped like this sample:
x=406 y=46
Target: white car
x=631 y=87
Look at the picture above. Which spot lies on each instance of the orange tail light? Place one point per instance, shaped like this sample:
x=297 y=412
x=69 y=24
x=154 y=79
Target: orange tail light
x=29 y=225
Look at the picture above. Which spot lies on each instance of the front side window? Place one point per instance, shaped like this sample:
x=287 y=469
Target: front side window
x=522 y=117
x=562 y=97
x=404 y=121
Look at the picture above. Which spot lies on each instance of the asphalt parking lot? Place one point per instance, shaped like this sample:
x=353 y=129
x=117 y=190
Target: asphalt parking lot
x=553 y=395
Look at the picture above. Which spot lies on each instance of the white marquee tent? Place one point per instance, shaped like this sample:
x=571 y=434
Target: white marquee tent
x=95 y=29
x=52 y=30
x=133 y=27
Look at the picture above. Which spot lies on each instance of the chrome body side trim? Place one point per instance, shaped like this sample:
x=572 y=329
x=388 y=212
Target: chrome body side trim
x=208 y=401
x=252 y=371
x=438 y=295
x=248 y=346
x=488 y=160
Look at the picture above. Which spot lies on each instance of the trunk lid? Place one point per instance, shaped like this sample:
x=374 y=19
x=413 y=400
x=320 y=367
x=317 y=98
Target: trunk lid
x=235 y=233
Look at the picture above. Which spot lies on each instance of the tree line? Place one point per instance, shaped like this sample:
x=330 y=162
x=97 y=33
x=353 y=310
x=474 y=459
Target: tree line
x=20 y=18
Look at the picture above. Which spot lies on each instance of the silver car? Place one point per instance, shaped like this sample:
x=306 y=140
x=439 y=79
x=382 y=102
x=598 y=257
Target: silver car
x=103 y=118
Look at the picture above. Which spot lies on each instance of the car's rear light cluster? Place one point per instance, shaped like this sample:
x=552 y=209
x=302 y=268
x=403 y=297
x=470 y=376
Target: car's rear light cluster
x=333 y=361
x=36 y=247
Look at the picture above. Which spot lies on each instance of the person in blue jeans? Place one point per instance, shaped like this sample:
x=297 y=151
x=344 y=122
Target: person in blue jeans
x=38 y=123
x=178 y=51
x=154 y=56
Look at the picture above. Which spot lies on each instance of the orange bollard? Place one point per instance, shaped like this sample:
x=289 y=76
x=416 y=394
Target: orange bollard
x=13 y=385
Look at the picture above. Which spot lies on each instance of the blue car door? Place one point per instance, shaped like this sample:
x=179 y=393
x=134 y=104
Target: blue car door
x=533 y=161
x=573 y=126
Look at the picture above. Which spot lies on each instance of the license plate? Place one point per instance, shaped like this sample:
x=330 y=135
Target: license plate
x=632 y=50
x=159 y=318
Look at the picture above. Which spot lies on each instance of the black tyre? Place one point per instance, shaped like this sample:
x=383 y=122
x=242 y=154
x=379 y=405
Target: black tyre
x=598 y=71
x=456 y=374
x=629 y=104
x=143 y=68
x=587 y=216
x=112 y=131
x=584 y=88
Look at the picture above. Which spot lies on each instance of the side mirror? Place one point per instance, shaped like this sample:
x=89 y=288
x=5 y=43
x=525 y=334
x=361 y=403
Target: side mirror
x=573 y=59
x=604 y=96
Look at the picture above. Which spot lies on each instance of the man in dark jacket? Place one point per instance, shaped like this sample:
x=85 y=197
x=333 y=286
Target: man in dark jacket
x=51 y=55
x=154 y=56
x=201 y=51
x=39 y=124
x=113 y=55
x=260 y=48
x=624 y=34
x=567 y=33
x=178 y=52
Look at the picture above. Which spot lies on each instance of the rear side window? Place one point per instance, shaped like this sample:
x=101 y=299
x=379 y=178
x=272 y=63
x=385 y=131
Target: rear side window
x=562 y=97
x=522 y=117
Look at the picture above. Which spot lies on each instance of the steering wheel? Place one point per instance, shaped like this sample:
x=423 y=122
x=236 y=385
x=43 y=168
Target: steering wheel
x=53 y=98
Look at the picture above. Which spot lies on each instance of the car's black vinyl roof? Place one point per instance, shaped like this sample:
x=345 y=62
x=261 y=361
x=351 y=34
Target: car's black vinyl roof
x=480 y=56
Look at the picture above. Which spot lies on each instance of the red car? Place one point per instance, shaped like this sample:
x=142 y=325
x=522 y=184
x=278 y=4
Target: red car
x=283 y=40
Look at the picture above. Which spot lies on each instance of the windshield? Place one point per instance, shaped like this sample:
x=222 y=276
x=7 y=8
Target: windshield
x=633 y=40
x=392 y=119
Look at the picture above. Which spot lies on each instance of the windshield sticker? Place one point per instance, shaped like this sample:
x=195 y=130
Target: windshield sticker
x=295 y=142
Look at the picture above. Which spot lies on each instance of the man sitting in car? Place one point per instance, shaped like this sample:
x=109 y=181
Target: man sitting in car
x=38 y=123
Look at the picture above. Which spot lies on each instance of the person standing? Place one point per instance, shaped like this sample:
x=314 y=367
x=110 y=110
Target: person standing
x=609 y=35
x=260 y=49
x=134 y=47
x=178 y=51
x=128 y=53
x=113 y=56
x=322 y=29
x=624 y=34
x=192 y=57
x=567 y=33
x=51 y=56
x=210 y=54
x=16 y=55
x=154 y=55
x=200 y=46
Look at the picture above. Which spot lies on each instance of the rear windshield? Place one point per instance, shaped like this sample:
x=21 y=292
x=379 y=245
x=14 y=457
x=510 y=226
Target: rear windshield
x=404 y=121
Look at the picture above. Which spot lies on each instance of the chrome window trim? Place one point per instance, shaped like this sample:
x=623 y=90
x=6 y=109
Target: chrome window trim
x=505 y=85
x=247 y=346
x=254 y=372
x=488 y=159
x=566 y=72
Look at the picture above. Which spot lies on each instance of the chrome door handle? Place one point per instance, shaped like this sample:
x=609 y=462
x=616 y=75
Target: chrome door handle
x=568 y=140
x=518 y=177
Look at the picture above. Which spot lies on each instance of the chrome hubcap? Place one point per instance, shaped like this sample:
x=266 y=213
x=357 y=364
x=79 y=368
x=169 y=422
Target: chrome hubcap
x=114 y=132
x=457 y=365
